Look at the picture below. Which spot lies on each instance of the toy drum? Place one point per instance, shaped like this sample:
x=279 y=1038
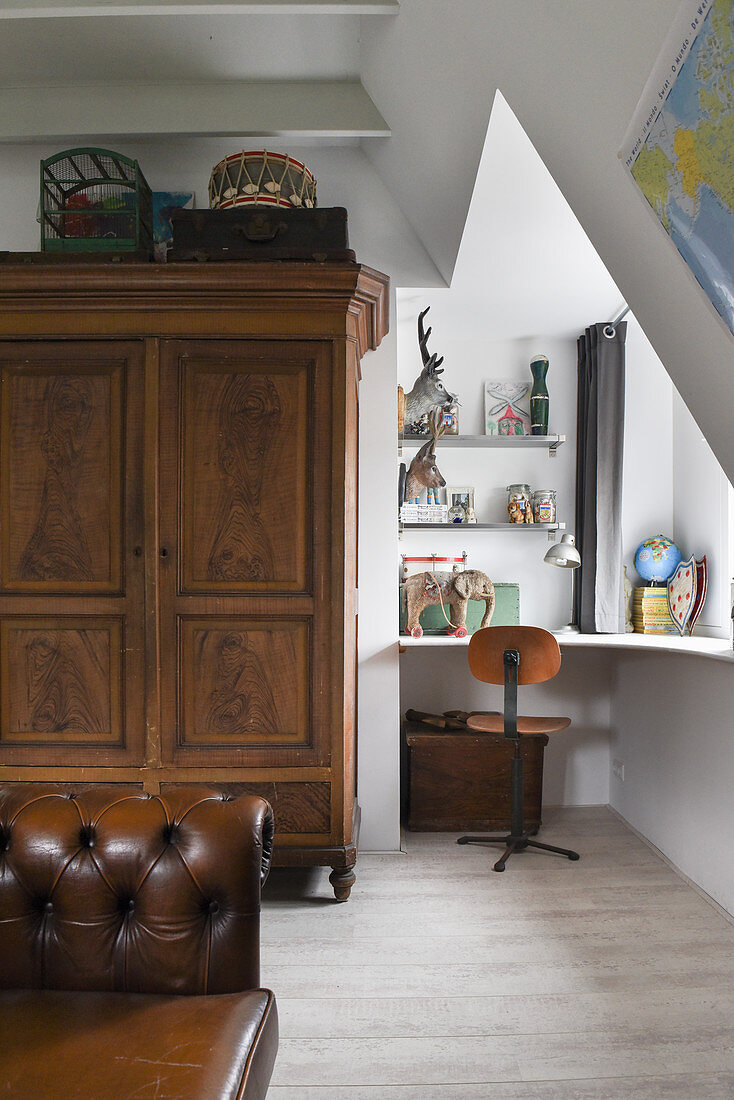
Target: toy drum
x=260 y=179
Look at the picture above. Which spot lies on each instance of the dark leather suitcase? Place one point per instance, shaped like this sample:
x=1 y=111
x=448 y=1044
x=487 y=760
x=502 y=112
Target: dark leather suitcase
x=260 y=233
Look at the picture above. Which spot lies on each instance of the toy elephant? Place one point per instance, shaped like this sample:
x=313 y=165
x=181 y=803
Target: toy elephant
x=455 y=589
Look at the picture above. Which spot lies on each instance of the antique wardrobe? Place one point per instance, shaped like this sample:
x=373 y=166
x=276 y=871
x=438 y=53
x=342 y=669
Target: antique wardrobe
x=178 y=472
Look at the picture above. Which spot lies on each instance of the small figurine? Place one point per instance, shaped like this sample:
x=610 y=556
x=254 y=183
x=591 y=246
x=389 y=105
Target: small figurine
x=519 y=507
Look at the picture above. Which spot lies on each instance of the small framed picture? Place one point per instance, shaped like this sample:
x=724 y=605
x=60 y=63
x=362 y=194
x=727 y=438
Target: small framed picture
x=506 y=407
x=460 y=500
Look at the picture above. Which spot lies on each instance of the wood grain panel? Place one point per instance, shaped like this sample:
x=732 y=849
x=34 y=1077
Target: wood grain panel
x=298 y=807
x=61 y=468
x=61 y=684
x=245 y=682
x=72 y=601
x=245 y=472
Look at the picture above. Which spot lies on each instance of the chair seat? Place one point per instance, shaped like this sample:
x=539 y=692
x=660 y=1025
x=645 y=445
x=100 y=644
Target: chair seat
x=495 y=723
x=115 y=1046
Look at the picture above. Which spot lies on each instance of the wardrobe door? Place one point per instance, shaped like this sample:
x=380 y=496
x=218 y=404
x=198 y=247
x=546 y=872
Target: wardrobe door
x=71 y=561
x=245 y=561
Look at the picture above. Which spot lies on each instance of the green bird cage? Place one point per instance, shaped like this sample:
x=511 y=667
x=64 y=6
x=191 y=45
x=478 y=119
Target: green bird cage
x=94 y=200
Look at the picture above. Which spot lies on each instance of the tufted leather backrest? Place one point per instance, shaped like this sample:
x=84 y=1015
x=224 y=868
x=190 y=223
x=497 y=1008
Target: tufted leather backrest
x=110 y=890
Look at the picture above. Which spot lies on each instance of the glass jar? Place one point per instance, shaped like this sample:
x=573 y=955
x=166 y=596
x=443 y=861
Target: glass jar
x=544 y=505
x=518 y=502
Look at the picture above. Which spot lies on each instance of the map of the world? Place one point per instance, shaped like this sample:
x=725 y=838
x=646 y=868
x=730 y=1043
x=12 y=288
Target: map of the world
x=680 y=145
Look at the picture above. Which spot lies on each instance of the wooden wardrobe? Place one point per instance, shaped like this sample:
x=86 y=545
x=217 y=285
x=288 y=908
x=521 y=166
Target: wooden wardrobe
x=178 y=527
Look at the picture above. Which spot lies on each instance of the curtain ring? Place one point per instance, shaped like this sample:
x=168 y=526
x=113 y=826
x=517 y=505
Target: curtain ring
x=609 y=332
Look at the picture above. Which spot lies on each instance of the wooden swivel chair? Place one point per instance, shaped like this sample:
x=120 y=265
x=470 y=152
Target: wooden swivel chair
x=513 y=655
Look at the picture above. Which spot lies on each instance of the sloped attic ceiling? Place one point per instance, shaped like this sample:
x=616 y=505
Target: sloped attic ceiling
x=414 y=87
x=572 y=72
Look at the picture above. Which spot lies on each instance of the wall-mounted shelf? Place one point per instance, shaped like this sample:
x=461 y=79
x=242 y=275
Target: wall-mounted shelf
x=519 y=442
x=482 y=527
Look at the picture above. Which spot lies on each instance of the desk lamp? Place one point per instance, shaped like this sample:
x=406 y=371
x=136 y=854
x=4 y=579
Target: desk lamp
x=565 y=555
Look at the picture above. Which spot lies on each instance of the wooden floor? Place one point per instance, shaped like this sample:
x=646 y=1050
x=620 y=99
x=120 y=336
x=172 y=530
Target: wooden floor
x=608 y=978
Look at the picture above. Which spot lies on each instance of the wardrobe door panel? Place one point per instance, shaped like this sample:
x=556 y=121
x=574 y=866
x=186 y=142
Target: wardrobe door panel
x=245 y=481
x=61 y=681
x=244 y=476
x=71 y=560
x=62 y=476
x=234 y=670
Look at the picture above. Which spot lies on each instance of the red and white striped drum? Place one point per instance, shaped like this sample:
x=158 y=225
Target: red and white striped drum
x=261 y=178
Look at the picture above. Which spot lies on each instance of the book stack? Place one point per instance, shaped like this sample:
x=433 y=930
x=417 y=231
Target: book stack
x=424 y=513
x=650 y=612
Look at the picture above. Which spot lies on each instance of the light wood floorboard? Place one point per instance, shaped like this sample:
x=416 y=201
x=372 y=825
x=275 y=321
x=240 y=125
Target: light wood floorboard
x=441 y=980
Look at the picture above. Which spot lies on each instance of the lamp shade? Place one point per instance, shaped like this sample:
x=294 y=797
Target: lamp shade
x=564 y=554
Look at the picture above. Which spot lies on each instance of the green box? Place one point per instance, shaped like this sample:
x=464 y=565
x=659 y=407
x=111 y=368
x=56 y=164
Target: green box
x=506 y=611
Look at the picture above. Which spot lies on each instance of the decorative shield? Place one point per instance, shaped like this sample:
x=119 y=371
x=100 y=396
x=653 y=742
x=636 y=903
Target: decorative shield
x=682 y=594
x=702 y=584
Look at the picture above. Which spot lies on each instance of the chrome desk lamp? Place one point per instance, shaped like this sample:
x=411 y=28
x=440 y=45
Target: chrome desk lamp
x=565 y=555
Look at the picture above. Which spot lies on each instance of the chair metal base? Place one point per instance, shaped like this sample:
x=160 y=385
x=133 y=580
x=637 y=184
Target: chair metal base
x=516 y=844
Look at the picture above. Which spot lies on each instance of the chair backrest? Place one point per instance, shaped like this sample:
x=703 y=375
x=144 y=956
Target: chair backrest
x=116 y=890
x=540 y=657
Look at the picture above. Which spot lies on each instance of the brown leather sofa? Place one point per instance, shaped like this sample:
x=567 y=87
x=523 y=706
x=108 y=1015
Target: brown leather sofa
x=129 y=945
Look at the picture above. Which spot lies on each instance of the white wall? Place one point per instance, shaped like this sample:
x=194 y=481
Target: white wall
x=701 y=506
x=378 y=765
x=572 y=72
x=672 y=483
x=671 y=721
x=671 y=715
x=647 y=481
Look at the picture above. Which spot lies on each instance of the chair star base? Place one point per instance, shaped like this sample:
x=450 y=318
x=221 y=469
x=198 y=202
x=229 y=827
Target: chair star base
x=516 y=844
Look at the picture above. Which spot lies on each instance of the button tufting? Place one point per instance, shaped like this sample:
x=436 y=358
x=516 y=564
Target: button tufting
x=49 y=906
x=131 y=905
x=213 y=906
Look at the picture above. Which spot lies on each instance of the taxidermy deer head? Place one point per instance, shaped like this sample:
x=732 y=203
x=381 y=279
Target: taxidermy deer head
x=423 y=473
x=428 y=391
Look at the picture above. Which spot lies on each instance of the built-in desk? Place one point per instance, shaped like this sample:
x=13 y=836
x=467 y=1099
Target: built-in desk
x=716 y=648
x=651 y=735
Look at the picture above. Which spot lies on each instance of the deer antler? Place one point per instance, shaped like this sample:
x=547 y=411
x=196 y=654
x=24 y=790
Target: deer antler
x=431 y=363
x=437 y=425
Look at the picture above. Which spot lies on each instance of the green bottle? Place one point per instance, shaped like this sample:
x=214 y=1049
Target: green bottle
x=539 y=396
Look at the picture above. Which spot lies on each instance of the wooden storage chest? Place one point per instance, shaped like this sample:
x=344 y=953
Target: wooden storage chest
x=461 y=779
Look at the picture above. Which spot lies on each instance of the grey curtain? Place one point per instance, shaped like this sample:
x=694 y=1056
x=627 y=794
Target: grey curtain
x=599 y=589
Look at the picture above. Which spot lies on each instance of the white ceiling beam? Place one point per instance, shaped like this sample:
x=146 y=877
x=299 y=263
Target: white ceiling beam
x=285 y=109
x=45 y=9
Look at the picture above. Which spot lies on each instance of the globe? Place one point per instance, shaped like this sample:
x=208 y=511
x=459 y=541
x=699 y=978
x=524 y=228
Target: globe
x=656 y=559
